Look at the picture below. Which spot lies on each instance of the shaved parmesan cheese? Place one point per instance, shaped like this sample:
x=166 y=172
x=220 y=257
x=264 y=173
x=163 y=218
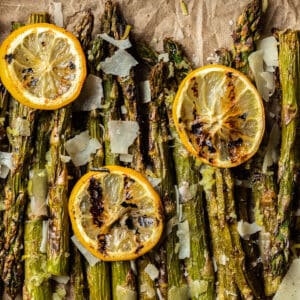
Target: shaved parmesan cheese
x=121 y=44
x=160 y=297
x=223 y=259
x=246 y=229
x=187 y=191
x=164 y=57
x=171 y=224
x=38 y=203
x=61 y=279
x=65 y=158
x=92 y=260
x=122 y=135
x=124 y=110
x=133 y=267
x=43 y=246
x=257 y=67
x=119 y=64
x=270 y=69
x=6 y=163
x=154 y=181
x=91 y=95
x=152 y=271
x=81 y=147
x=178 y=293
x=148 y=290
x=127 y=158
x=214 y=264
x=145 y=91
x=57 y=14
x=269 y=47
x=125 y=293
x=269 y=81
x=289 y=288
x=183 y=234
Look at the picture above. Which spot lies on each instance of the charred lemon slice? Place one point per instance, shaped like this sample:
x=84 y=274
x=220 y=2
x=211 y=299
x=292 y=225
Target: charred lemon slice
x=42 y=66
x=116 y=214
x=219 y=116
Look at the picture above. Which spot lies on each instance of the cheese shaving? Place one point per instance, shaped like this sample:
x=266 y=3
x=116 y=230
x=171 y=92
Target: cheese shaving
x=38 y=203
x=289 y=288
x=6 y=163
x=91 y=95
x=121 y=44
x=269 y=46
x=145 y=91
x=145 y=288
x=57 y=14
x=119 y=64
x=43 y=246
x=246 y=229
x=152 y=271
x=92 y=260
x=81 y=147
x=122 y=135
x=183 y=234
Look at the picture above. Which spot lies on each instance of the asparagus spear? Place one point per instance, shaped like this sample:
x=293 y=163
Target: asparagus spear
x=3 y=147
x=58 y=233
x=97 y=275
x=15 y=191
x=162 y=165
x=198 y=265
x=246 y=33
x=289 y=48
x=121 y=272
x=36 y=283
x=77 y=286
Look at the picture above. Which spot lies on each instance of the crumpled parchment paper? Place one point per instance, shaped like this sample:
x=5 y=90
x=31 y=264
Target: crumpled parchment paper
x=208 y=26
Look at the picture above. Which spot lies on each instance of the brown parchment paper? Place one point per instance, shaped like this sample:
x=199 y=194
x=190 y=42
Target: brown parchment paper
x=207 y=27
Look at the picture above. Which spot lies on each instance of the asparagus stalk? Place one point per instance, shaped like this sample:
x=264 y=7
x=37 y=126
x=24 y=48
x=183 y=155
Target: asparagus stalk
x=289 y=48
x=15 y=192
x=15 y=200
x=246 y=33
x=3 y=147
x=4 y=99
x=77 y=286
x=198 y=265
x=58 y=233
x=97 y=275
x=162 y=166
x=121 y=272
x=36 y=282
